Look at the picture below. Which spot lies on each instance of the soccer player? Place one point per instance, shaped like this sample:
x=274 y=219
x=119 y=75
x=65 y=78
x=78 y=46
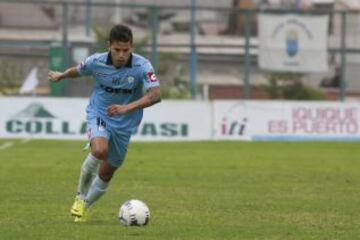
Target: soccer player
x=125 y=83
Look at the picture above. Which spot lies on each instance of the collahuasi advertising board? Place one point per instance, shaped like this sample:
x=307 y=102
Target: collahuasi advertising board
x=59 y=118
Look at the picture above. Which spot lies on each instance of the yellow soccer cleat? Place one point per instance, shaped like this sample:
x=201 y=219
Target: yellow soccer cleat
x=78 y=208
x=84 y=217
x=79 y=220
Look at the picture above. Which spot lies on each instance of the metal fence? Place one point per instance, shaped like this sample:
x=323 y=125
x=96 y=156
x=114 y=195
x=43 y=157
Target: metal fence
x=191 y=47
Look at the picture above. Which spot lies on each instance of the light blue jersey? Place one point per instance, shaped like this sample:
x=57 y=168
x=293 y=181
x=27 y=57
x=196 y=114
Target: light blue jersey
x=117 y=86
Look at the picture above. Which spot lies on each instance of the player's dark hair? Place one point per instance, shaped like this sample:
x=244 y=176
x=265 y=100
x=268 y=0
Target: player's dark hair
x=120 y=33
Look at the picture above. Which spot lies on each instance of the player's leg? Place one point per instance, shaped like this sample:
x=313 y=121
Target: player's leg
x=99 y=148
x=90 y=167
x=117 y=151
x=88 y=172
x=98 y=136
x=100 y=184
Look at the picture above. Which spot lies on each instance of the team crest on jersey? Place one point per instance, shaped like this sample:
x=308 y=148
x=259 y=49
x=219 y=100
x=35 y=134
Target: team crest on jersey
x=151 y=77
x=130 y=79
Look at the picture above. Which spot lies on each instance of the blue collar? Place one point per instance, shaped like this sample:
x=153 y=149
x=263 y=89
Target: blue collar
x=127 y=65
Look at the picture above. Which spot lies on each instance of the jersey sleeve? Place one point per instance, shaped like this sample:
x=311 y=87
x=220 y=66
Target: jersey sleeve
x=150 y=80
x=85 y=67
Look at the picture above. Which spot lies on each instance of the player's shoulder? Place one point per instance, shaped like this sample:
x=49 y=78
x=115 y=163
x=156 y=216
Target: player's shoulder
x=139 y=61
x=99 y=57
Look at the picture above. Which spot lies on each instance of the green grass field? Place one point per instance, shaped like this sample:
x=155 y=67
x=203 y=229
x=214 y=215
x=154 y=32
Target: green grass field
x=197 y=190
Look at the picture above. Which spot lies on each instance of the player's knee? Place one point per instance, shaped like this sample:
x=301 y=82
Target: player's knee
x=99 y=153
x=106 y=176
x=106 y=172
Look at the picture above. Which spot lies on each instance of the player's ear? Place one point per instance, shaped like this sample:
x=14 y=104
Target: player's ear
x=108 y=45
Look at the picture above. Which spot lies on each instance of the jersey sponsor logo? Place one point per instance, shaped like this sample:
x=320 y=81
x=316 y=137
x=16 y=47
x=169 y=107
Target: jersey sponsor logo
x=117 y=90
x=151 y=77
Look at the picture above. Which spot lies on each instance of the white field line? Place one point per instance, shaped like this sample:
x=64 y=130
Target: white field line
x=6 y=145
x=25 y=140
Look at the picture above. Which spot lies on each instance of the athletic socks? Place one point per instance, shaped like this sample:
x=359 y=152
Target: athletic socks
x=89 y=170
x=97 y=189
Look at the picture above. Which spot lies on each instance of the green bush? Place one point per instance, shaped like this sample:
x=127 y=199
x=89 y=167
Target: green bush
x=289 y=86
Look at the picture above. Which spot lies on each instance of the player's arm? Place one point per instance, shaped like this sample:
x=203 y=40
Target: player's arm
x=57 y=76
x=152 y=96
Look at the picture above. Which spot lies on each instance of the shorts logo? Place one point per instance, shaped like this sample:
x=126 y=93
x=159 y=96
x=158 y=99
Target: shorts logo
x=101 y=124
x=151 y=77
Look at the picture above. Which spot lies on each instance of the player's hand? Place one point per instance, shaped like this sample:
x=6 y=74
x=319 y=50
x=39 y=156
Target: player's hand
x=117 y=110
x=54 y=76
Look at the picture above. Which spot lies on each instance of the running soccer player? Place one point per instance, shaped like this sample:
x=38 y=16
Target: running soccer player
x=125 y=83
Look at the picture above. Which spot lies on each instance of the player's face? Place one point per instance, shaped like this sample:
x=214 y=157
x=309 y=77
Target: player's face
x=120 y=52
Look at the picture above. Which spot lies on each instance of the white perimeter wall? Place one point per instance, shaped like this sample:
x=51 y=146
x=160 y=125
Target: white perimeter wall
x=64 y=118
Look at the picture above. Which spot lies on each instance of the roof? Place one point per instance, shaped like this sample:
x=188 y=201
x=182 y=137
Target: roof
x=24 y=15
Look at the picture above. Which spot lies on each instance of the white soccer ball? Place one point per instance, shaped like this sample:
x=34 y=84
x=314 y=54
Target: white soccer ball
x=134 y=213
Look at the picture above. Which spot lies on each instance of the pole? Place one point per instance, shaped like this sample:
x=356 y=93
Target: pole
x=343 y=57
x=65 y=42
x=247 y=65
x=117 y=14
x=193 y=54
x=154 y=36
x=88 y=18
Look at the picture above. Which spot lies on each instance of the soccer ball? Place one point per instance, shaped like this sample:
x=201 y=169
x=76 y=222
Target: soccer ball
x=134 y=213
